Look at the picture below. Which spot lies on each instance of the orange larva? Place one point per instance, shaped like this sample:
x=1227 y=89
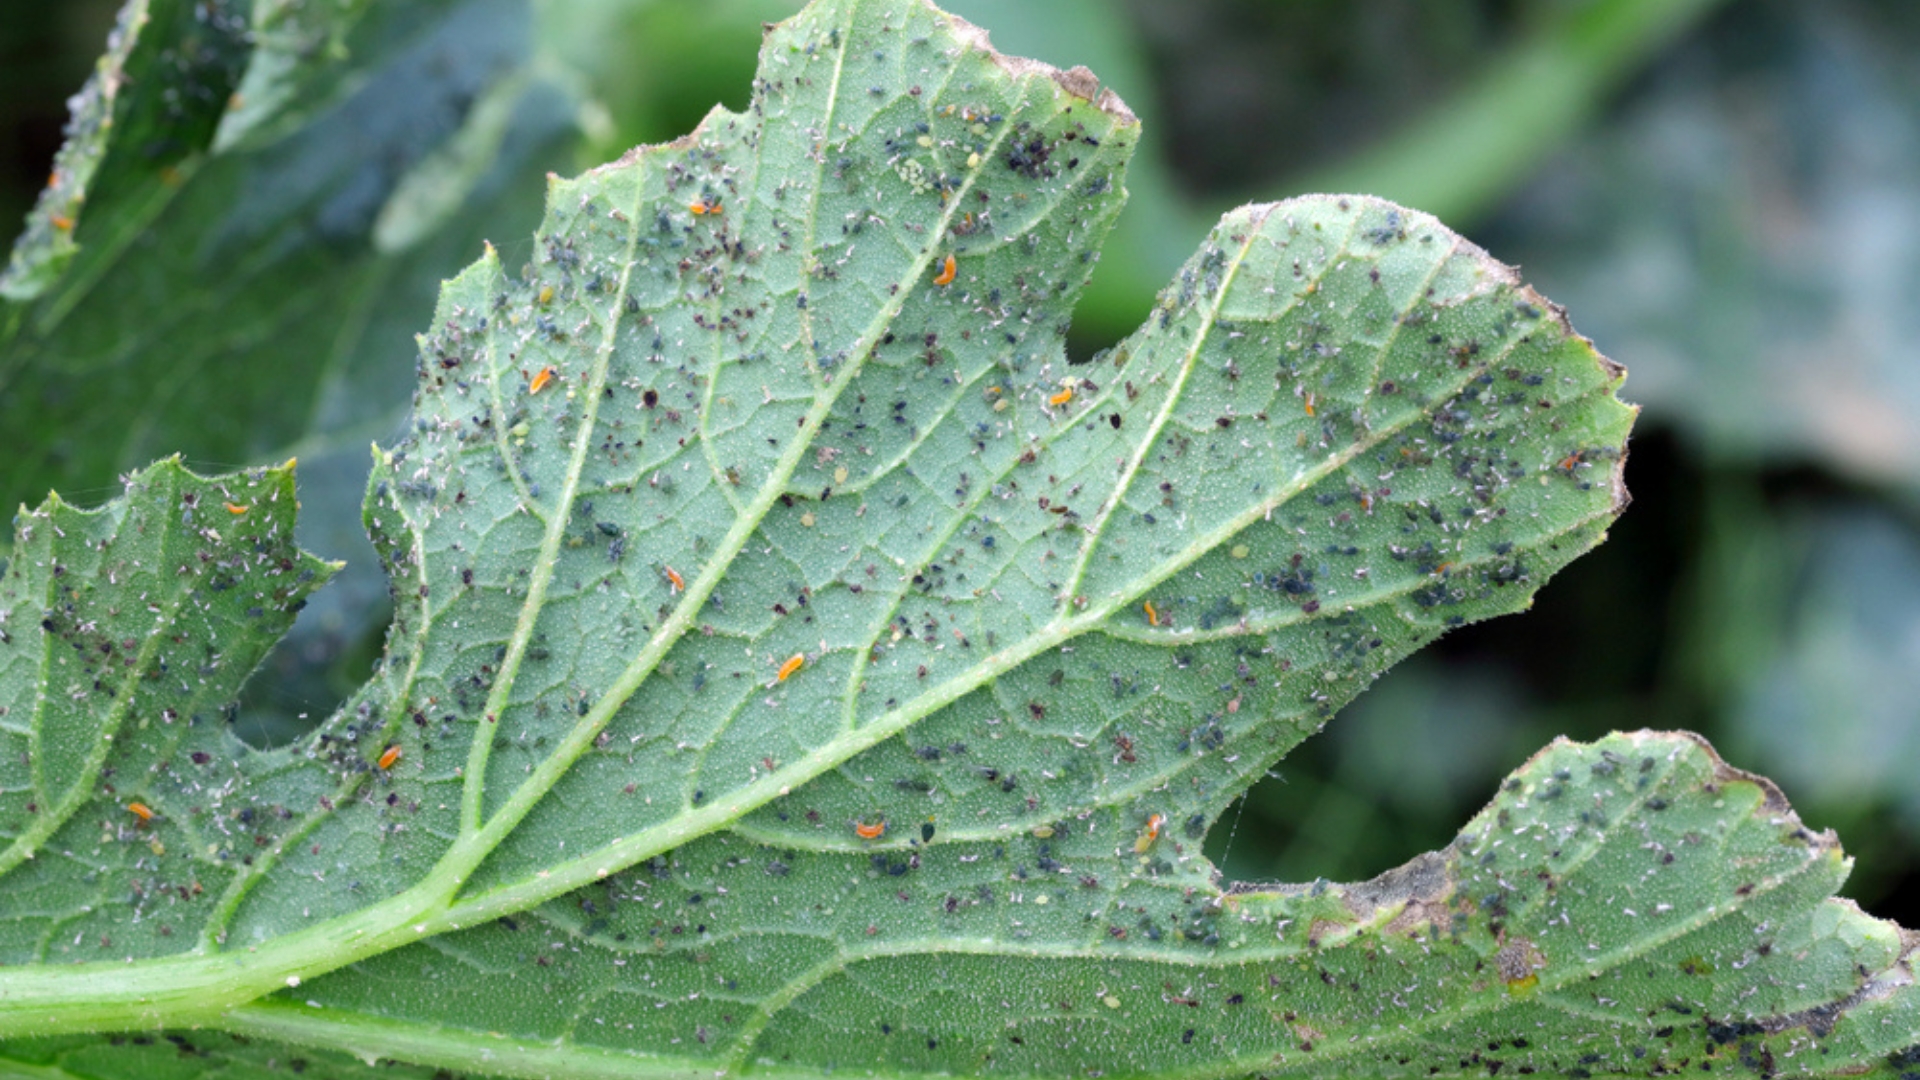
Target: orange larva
x=705 y=206
x=540 y=380
x=870 y=832
x=236 y=509
x=1065 y=395
x=674 y=579
x=390 y=755
x=141 y=810
x=1311 y=402
x=1145 y=843
x=62 y=222
x=947 y=271
x=794 y=663
x=1153 y=616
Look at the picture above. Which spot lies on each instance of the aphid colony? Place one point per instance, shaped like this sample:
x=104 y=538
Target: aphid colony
x=945 y=274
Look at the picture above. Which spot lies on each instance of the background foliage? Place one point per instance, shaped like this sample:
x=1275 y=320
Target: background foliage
x=1727 y=193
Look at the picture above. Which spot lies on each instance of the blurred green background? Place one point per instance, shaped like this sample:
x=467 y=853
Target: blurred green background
x=1725 y=193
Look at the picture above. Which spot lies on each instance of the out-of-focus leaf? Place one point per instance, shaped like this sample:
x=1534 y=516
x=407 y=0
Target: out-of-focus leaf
x=1814 y=622
x=257 y=301
x=302 y=58
x=145 y=115
x=236 y=325
x=1749 y=230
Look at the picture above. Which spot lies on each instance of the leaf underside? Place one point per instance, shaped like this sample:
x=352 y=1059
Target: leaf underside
x=799 y=666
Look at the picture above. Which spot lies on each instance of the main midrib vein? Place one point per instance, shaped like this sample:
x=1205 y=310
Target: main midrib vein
x=310 y=1027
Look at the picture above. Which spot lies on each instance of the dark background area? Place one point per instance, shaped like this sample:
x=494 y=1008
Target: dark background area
x=1725 y=194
